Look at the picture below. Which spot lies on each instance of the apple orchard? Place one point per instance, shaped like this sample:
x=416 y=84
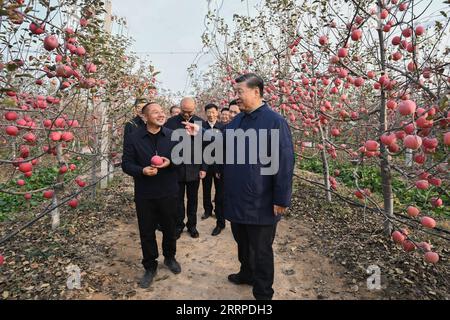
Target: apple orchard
x=364 y=88
x=64 y=83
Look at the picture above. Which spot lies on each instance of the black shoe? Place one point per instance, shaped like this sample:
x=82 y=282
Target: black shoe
x=147 y=279
x=216 y=231
x=178 y=233
x=237 y=279
x=206 y=216
x=194 y=233
x=173 y=265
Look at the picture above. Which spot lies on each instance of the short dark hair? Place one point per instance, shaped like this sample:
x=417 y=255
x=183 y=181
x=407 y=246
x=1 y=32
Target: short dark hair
x=224 y=109
x=211 y=106
x=144 y=108
x=139 y=101
x=173 y=107
x=253 y=81
x=233 y=103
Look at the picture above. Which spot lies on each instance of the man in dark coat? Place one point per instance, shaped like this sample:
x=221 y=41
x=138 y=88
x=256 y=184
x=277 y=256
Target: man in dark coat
x=256 y=193
x=147 y=158
x=137 y=121
x=189 y=174
x=212 y=123
x=254 y=202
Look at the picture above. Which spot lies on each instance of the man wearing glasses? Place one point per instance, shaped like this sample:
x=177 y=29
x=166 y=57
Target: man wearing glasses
x=189 y=174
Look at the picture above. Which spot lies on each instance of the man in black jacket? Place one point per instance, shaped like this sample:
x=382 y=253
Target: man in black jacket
x=212 y=123
x=146 y=157
x=189 y=174
x=137 y=121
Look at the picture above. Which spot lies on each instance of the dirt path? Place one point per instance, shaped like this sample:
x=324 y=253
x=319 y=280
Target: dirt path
x=300 y=273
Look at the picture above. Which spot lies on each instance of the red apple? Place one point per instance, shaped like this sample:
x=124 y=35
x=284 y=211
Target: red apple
x=55 y=136
x=396 y=40
x=11 y=116
x=408 y=246
x=67 y=136
x=412 y=142
x=359 y=82
x=323 y=40
x=90 y=67
x=12 y=130
x=48 y=194
x=407 y=32
x=398 y=237
x=73 y=203
x=413 y=211
x=428 y=222
x=420 y=30
x=425 y=246
x=388 y=139
x=371 y=145
x=436 y=202
x=356 y=34
x=51 y=43
x=156 y=161
x=342 y=52
x=25 y=167
x=407 y=107
x=81 y=183
x=422 y=184
x=447 y=138
x=30 y=137
x=431 y=257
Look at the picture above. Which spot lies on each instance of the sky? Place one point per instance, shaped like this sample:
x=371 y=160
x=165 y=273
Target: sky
x=168 y=33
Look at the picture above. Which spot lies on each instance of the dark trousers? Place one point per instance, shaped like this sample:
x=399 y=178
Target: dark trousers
x=218 y=197
x=191 y=190
x=150 y=212
x=256 y=256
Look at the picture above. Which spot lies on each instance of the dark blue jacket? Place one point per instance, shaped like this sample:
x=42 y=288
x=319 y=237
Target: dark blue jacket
x=138 y=150
x=132 y=125
x=186 y=172
x=218 y=127
x=249 y=197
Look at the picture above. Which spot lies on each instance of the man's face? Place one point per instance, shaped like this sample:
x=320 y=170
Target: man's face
x=225 y=116
x=212 y=115
x=234 y=110
x=154 y=114
x=138 y=110
x=175 y=112
x=187 y=109
x=246 y=97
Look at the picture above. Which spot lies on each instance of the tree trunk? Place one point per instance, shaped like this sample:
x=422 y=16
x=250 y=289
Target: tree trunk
x=386 y=178
x=55 y=212
x=326 y=170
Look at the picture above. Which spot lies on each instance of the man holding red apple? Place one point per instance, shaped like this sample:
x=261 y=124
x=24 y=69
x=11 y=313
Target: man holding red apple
x=146 y=157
